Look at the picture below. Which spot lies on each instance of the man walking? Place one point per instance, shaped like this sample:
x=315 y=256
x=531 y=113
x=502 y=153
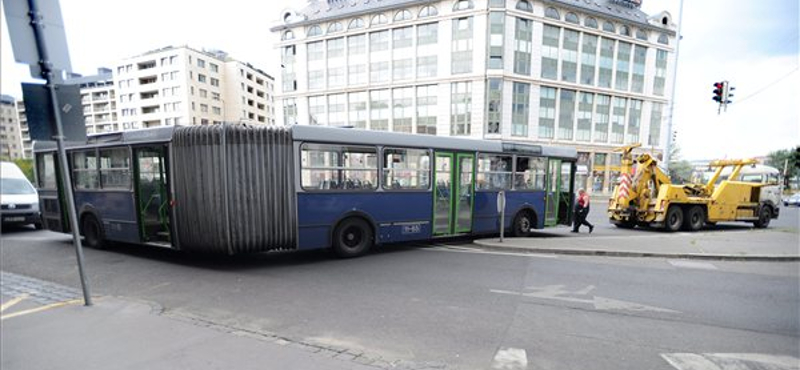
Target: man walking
x=581 y=212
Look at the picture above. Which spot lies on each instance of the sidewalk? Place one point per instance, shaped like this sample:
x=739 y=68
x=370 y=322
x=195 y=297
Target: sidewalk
x=117 y=333
x=741 y=245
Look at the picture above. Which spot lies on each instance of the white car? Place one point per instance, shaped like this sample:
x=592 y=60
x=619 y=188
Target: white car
x=793 y=200
x=19 y=201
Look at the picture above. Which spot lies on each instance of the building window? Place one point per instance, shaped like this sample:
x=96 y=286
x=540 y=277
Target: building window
x=428 y=11
x=590 y=22
x=462 y=5
x=552 y=13
x=426 y=109
x=520 y=108
x=335 y=27
x=357 y=74
x=585 y=105
x=287 y=61
x=402 y=37
x=426 y=66
x=402 y=109
x=357 y=107
x=602 y=117
x=522 y=46
x=379 y=72
x=637 y=79
x=288 y=35
x=356 y=45
x=462 y=46
x=214 y=82
x=550 y=38
x=201 y=78
x=216 y=110
x=314 y=31
x=316 y=79
x=213 y=67
x=379 y=110
x=316 y=110
x=654 y=139
x=572 y=18
x=663 y=39
x=378 y=41
x=336 y=48
x=403 y=15
x=609 y=27
x=566 y=114
x=289 y=111
x=547 y=112
x=497 y=3
x=336 y=77
x=588 y=56
x=356 y=24
x=336 y=110
x=659 y=82
x=618 y=121
x=427 y=34
x=525 y=6
x=316 y=51
x=606 y=62
x=379 y=19
x=623 y=66
x=496 y=31
x=201 y=63
x=461 y=108
x=641 y=34
x=402 y=69
x=204 y=108
x=569 y=56
x=494 y=106
x=625 y=30
x=634 y=121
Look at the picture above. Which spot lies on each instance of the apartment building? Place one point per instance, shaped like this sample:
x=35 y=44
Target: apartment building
x=10 y=136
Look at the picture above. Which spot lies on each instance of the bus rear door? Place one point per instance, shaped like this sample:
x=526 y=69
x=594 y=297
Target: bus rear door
x=152 y=194
x=453 y=197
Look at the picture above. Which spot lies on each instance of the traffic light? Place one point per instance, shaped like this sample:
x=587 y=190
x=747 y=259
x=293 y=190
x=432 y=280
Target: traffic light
x=728 y=93
x=719 y=92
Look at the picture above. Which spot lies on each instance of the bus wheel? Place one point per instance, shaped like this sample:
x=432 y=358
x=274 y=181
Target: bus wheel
x=352 y=238
x=764 y=215
x=695 y=219
x=522 y=224
x=93 y=234
x=674 y=219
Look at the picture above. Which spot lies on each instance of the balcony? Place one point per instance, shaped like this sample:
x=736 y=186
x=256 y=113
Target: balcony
x=148 y=80
x=148 y=95
x=146 y=65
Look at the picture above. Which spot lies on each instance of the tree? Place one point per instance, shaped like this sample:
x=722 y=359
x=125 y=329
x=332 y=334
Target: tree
x=680 y=170
x=780 y=158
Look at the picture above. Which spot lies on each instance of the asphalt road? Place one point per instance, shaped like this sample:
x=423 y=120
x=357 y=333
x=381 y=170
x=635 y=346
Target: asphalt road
x=461 y=309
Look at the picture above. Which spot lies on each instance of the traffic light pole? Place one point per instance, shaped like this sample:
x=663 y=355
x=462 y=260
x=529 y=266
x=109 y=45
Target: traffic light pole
x=668 y=147
x=48 y=74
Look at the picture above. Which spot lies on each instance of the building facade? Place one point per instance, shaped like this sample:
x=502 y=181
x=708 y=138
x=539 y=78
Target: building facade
x=10 y=135
x=592 y=74
x=99 y=100
x=184 y=86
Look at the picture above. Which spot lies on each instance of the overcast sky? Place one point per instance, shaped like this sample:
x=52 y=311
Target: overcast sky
x=752 y=44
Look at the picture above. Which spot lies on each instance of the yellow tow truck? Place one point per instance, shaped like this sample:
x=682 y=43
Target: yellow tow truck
x=649 y=199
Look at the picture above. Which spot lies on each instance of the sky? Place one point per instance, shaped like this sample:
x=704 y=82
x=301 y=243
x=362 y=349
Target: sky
x=752 y=44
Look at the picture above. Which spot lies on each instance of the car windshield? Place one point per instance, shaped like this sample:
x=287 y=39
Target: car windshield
x=16 y=186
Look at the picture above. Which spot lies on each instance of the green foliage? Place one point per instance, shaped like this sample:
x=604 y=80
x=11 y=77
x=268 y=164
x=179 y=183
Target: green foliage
x=780 y=158
x=680 y=170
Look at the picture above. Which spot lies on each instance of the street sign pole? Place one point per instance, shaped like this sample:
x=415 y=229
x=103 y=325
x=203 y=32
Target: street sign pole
x=47 y=73
x=501 y=208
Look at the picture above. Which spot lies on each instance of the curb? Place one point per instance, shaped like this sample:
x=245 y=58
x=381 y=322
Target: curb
x=636 y=254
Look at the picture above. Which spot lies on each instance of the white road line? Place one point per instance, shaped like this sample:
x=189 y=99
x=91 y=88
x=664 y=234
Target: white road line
x=510 y=359
x=692 y=264
x=489 y=252
x=730 y=361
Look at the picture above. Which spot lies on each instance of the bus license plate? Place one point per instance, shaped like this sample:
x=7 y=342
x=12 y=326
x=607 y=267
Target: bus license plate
x=412 y=229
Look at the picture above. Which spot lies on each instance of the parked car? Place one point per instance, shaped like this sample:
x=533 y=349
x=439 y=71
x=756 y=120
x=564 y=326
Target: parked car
x=19 y=201
x=793 y=200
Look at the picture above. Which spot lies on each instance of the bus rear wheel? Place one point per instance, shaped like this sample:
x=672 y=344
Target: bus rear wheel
x=523 y=224
x=352 y=238
x=93 y=233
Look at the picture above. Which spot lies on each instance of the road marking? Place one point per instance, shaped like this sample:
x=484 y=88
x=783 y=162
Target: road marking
x=692 y=265
x=558 y=293
x=510 y=359
x=39 y=309
x=11 y=302
x=730 y=361
x=444 y=248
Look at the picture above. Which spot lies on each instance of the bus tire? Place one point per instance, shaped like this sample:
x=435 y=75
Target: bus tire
x=764 y=216
x=353 y=237
x=674 y=219
x=695 y=219
x=93 y=233
x=523 y=224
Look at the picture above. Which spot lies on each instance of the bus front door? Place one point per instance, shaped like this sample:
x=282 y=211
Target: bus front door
x=152 y=195
x=453 y=196
x=553 y=191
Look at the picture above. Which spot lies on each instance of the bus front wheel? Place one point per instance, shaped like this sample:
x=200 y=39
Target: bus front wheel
x=93 y=234
x=352 y=238
x=523 y=224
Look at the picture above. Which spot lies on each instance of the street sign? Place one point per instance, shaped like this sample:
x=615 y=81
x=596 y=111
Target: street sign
x=501 y=209
x=40 y=115
x=23 y=38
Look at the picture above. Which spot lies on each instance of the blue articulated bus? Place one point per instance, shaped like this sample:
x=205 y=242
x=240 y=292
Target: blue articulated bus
x=244 y=189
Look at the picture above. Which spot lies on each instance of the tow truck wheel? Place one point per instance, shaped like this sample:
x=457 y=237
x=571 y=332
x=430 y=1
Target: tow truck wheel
x=695 y=219
x=674 y=219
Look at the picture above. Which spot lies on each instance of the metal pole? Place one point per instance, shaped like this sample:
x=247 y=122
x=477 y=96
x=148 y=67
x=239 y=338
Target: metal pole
x=501 y=207
x=47 y=73
x=668 y=147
